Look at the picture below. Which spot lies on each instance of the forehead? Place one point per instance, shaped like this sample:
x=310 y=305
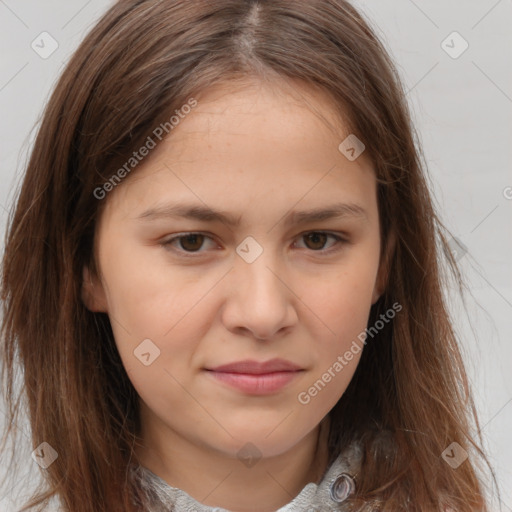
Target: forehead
x=242 y=145
x=280 y=109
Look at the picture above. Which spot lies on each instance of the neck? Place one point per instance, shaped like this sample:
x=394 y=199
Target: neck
x=225 y=481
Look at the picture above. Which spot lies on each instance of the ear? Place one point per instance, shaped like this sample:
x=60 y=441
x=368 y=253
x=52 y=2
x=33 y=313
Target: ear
x=93 y=292
x=384 y=267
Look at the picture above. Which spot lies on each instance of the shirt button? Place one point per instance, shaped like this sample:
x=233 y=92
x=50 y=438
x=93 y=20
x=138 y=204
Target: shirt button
x=342 y=488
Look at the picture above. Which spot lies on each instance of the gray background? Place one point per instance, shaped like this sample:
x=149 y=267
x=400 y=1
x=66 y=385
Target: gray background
x=462 y=108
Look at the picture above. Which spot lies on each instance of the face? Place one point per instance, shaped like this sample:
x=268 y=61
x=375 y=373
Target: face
x=214 y=252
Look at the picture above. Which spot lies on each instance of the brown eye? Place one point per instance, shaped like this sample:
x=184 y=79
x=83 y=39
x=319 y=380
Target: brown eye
x=192 y=242
x=188 y=244
x=316 y=240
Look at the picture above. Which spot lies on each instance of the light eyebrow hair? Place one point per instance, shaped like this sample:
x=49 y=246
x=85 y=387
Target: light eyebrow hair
x=294 y=217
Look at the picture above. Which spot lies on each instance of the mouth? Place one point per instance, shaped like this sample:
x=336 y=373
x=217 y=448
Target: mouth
x=256 y=378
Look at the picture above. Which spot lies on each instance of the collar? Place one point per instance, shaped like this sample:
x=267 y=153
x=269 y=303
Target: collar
x=330 y=494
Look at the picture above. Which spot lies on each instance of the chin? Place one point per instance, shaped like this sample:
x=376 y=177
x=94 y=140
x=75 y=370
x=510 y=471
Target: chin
x=260 y=440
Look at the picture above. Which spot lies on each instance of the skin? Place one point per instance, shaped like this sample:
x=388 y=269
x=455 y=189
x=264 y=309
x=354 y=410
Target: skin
x=256 y=153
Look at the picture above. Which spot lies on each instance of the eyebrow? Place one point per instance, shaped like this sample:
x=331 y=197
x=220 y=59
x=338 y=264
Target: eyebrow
x=206 y=214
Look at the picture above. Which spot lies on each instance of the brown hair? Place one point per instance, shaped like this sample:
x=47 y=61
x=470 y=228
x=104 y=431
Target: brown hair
x=143 y=60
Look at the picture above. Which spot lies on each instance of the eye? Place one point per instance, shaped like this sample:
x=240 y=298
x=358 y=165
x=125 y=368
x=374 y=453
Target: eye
x=316 y=240
x=186 y=243
x=190 y=244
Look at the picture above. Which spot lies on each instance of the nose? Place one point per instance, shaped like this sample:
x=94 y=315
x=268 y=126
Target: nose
x=260 y=302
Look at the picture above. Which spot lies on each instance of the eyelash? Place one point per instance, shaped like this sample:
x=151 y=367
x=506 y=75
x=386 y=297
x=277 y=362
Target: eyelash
x=167 y=244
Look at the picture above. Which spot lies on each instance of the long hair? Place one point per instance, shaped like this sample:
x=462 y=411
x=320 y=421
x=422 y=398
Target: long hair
x=141 y=62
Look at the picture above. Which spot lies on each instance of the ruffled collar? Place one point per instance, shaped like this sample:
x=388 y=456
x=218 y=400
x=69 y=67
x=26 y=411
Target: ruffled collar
x=330 y=494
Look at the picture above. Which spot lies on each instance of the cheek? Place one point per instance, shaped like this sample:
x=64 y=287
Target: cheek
x=344 y=302
x=343 y=305
x=155 y=302
x=347 y=317
x=146 y=293
x=338 y=346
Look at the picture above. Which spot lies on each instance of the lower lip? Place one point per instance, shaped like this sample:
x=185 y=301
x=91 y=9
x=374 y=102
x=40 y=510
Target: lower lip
x=262 y=384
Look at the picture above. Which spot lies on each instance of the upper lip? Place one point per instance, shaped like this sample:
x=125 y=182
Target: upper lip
x=257 y=368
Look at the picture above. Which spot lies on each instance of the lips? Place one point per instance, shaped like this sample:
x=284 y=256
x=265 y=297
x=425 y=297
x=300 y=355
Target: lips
x=254 y=377
x=257 y=368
